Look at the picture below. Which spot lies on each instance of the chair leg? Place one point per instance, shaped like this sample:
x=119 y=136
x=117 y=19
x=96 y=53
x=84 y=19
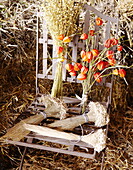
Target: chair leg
x=22 y=160
x=29 y=140
x=102 y=163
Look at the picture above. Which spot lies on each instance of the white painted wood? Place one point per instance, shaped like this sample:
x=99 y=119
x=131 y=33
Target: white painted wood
x=42 y=147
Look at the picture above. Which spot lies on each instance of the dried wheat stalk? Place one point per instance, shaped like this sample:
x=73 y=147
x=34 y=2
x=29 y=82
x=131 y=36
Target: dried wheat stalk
x=61 y=18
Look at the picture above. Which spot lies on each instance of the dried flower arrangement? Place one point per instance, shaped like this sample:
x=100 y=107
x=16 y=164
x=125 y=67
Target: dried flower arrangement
x=96 y=64
x=61 y=18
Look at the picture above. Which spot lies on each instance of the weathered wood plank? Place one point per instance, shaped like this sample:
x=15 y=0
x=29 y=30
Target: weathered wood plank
x=41 y=147
x=59 y=140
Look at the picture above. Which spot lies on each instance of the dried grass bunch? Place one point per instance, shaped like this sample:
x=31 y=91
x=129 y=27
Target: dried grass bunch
x=62 y=21
x=62 y=17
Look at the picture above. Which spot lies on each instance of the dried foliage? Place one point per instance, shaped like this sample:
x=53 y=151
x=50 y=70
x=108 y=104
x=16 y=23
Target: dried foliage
x=62 y=17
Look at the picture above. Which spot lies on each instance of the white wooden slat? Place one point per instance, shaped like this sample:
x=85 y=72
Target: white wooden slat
x=64 y=69
x=48 y=41
x=54 y=60
x=74 y=50
x=59 y=140
x=105 y=17
x=45 y=36
x=42 y=147
x=86 y=22
x=107 y=31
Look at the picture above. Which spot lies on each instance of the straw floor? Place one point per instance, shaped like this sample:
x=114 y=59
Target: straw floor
x=18 y=90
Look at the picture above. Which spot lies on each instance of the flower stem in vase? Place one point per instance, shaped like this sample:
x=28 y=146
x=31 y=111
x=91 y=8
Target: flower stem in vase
x=86 y=84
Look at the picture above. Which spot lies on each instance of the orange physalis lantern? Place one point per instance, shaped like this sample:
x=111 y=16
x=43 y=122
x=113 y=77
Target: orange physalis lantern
x=110 y=54
x=91 y=32
x=99 y=21
x=119 y=48
x=112 y=61
x=66 y=40
x=101 y=65
x=122 y=73
x=60 y=37
x=84 y=36
x=95 y=52
x=81 y=76
x=83 y=53
x=77 y=66
x=59 y=50
x=84 y=70
x=89 y=56
x=69 y=67
x=114 y=41
x=72 y=73
x=97 y=77
x=108 y=43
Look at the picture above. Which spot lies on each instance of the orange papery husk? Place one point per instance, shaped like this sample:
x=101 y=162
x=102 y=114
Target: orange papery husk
x=115 y=72
x=84 y=36
x=72 y=73
x=112 y=61
x=110 y=54
x=101 y=65
x=82 y=76
x=85 y=58
x=83 y=53
x=84 y=70
x=89 y=56
x=99 y=21
x=97 y=77
x=77 y=66
x=95 y=52
x=60 y=37
x=69 y=67
x=60 y=50
x=108 y=43
x=91 y=32
x=67 y=40
x=114 y=41
x=122 y=73
x=119 y=48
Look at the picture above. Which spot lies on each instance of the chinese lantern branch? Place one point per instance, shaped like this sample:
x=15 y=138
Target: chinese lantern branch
x=100 y=75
